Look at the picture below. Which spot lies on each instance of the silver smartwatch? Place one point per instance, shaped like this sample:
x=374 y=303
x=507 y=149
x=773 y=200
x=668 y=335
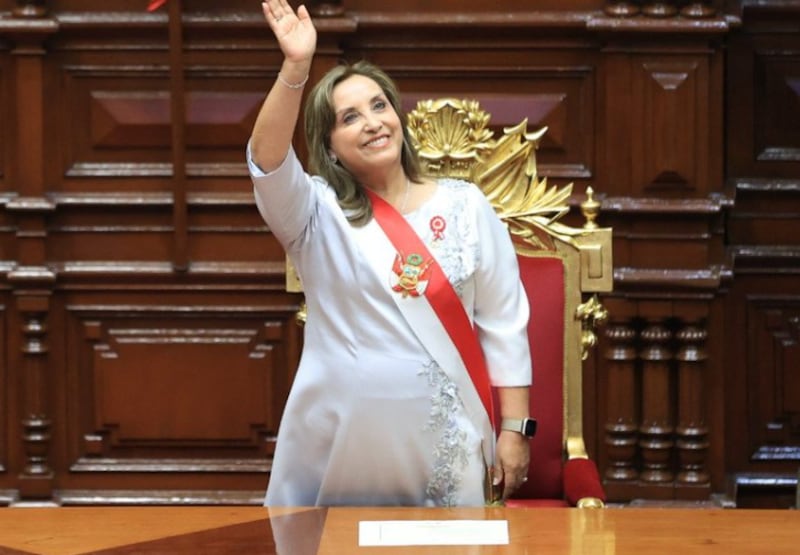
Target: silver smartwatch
x=524 y=426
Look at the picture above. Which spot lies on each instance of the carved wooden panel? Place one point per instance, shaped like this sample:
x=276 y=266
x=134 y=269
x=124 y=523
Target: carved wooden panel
x=230 y=231
x=119 y=121
x=670 y=148
x=561 y=102
x=7 y=247
x=174 y=387
x=763 y=230
x=682 y=242
x=5 y=392
x=764 y=111
x=777 y=103
x=222 y=228
x=767 y=214
x=415 y=7
x=549 y=90
x=660 y=402
x=773 y=379
x=5 y=114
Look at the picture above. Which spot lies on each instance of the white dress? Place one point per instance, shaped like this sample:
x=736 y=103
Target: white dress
x=371 y=418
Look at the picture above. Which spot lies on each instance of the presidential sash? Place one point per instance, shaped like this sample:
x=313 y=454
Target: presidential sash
x=422 y=286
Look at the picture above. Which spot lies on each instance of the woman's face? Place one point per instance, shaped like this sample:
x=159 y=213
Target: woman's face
x=368 y=134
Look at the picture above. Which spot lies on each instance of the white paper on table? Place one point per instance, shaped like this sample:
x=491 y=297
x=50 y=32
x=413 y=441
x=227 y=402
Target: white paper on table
x=432 y=532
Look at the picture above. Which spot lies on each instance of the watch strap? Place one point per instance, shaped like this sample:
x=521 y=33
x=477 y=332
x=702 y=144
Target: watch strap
x=519 y=425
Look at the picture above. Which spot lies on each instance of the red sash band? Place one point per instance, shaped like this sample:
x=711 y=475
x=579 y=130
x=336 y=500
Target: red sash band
x=442 y=298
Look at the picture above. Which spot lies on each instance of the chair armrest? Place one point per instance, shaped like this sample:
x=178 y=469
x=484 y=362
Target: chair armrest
x=582 y=486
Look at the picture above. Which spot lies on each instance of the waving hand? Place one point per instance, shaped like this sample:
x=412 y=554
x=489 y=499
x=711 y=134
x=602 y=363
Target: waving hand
x=295 y=32
x=274 y=127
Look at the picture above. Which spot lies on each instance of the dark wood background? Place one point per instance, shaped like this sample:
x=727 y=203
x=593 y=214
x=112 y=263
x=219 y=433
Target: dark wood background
x=147 y=343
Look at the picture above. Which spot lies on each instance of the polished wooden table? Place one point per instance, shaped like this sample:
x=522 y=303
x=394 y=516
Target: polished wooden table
x=308 y=531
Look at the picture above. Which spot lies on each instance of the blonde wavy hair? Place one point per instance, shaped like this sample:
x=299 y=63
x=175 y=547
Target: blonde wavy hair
x=320 y=119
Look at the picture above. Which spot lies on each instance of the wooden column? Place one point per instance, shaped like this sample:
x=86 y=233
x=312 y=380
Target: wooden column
x=621 y=427
x=177 y=95
x=31 y=278
x=692 y=429
x=658 y=424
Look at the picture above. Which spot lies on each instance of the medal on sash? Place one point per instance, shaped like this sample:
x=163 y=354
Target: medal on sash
x=412 y=275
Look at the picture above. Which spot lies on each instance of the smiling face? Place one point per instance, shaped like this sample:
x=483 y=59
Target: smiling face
x=367 y=136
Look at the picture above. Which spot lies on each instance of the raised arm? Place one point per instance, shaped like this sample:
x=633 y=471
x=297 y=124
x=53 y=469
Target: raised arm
x=277 y=119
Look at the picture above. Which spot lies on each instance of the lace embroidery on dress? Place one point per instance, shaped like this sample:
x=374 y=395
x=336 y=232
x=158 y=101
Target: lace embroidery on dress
x=457 y=253
x=450 y=455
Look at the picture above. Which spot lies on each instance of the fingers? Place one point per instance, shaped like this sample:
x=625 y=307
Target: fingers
x=513 y=484
x=271 y=13
x=276 y=10
x=281 y=16
x=512 y=480
x=512 y=459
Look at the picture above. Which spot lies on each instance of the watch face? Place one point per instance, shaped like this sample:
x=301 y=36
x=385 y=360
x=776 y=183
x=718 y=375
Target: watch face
x=529 y=427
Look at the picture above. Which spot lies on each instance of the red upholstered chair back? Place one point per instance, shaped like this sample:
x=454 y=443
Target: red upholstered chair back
x=543 y=279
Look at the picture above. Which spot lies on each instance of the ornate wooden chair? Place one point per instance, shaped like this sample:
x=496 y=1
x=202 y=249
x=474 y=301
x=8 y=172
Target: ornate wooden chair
x=559 y=266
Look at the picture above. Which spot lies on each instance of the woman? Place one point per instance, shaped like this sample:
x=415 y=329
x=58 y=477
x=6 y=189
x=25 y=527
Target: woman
x=382 y=410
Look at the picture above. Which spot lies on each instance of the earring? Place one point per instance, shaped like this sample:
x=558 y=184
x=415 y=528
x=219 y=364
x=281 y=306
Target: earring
x=334 y=158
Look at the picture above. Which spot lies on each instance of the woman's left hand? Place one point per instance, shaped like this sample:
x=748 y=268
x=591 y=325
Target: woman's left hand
x=512 y=458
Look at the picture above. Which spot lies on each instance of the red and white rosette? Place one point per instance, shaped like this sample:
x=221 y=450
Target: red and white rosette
x=438 y=225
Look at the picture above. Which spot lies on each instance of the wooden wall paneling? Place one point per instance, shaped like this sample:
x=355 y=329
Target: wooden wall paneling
x=7 y=482
x=765 y=111
x=763 y=448
x=229 y=251
x=36 y=477
x=657 y=427
x=7 y=240
x=660 y=412
x=6 y=122
x=773 y=407
x=211 y=443
x=619 y=410
x=633 y=108
x=660 y=93
x=30 y=276
x=763 y=165
x=615 y=130
x=658 y=104
x=177 y=97
x=413 y=8
x=660 y=167
x=716 y=329
x=762 y=415
x=698 y=400
x=120 y=83
x=550 y=86
x=166 y=390
x=672 y=150
x=123 y=231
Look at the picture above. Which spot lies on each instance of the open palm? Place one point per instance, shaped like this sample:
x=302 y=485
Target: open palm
x=295 y=32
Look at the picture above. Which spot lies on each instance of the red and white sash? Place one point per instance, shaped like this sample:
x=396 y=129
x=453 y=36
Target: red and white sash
x=436 y=315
